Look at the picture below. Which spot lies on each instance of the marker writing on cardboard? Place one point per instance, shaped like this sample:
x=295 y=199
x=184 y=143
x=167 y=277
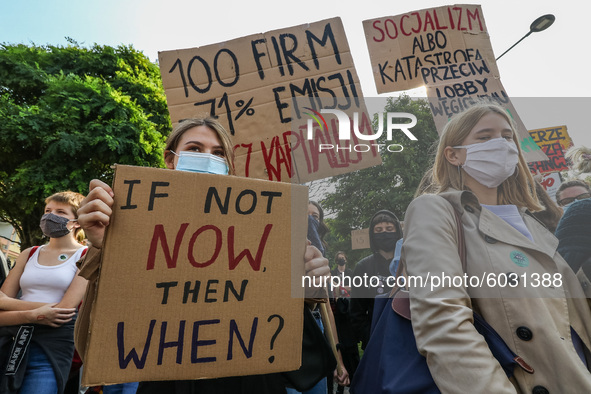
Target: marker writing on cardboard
x=283 y=50
x=154 y=194
x=552 y=142
x=192 y=290
x=159 y=237
x=429 y=20
x=430 y=45
x=245 y=202
x=195 y=341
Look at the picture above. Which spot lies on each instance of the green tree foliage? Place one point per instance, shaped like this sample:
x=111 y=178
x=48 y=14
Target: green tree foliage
x=356 y=196
x=66 y=115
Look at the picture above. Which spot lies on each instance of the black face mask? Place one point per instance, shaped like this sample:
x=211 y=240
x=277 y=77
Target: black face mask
x=54 y=226
x=385 y=241
x=341 y=262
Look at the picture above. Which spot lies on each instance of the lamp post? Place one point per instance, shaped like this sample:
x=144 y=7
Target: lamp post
x=540 y=24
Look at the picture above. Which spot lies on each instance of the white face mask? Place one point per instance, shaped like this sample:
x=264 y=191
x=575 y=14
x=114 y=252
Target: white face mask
x=201 y=162
x=491 y=162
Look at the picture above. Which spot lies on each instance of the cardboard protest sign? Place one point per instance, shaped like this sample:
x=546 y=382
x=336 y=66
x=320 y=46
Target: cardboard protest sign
x=400 y=45
x=250 y=83
x=196 y=276
x=554 y=142
x=453 y=88
x=360 y=239
x=551 y=182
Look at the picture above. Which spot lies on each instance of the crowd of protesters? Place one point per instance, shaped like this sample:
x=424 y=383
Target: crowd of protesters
x=510 y=225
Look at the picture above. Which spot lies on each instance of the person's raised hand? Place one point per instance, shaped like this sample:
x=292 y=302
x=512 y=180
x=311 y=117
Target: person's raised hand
x=94 y=214
x=315 y=265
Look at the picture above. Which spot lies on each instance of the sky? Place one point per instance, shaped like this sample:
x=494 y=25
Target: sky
x=542 y=72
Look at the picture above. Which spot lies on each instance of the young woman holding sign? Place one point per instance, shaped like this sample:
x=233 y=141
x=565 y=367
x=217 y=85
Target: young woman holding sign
x=199 y=145
x=37 y=333
x=529 y=294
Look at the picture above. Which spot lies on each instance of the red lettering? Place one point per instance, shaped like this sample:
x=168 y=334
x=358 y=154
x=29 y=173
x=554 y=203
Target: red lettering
x=320 y=138
x=402 y=25
x=428 y=21
x=451 y=18
x=388 y=30
x=475 y=16
x=418 y=30
x=159 y=234
x=254 y=263
x=459 y=18
x=280 y=159
x=287 y=144
x=248 y=152
x=300 y=142
x=439 y=27
x=218 y=246
x=375 y=26
x=547 y=182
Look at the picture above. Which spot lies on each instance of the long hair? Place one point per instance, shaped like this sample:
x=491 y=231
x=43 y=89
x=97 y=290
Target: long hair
x=518 y=189
x=552 y=213
x=186 y=124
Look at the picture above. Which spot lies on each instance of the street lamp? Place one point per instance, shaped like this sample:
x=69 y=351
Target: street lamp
x=540 y=24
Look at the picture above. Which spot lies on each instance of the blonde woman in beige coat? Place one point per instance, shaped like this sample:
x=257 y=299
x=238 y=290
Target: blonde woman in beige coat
x=514 y=278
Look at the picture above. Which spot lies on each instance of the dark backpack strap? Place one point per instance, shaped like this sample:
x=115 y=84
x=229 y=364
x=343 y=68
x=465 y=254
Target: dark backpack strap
x=461 y=241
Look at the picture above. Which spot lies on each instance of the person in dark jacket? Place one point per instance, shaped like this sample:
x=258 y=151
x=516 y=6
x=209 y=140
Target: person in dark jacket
x=384 y=232
x=340 y=304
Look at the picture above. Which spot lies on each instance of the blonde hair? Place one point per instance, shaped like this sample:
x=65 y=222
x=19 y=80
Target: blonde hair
x=426 y=185
x=518 y=189
x=186 y=124
x=580 y=158
x=74 y=200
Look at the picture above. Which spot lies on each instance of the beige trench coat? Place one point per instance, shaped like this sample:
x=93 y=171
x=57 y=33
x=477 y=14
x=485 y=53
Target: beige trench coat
x=534 y=317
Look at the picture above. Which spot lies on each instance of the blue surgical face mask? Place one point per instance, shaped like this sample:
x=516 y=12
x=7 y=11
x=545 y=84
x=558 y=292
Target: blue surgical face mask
x=201 y=162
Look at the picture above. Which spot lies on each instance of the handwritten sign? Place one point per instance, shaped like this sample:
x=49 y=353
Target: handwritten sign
x=360 y=239
x=551 y=183
x=399 y=46
x=453 y=88
x=196 y=277
x=554 y=141
x=251 y=84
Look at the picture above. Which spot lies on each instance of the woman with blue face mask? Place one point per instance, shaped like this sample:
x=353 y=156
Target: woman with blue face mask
x=514 y=277
x=37 y=327
x=200 y=145
x=197 y=145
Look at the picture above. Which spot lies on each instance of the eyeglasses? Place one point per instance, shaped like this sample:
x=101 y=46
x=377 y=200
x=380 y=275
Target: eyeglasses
x=568 y=200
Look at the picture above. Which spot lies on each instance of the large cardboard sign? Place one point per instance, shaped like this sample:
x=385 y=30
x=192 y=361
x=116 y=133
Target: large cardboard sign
x=454 y=87
x=554 y=142
x=400 y=45
x=196 y=278
x=250 y=83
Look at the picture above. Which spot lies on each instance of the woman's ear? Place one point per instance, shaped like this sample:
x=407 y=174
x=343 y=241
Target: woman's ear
x=169 y=159
x=454 y=156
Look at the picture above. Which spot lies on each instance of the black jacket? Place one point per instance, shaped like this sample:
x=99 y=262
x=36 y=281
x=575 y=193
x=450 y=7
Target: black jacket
x=57 y=343
x=362 y=297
